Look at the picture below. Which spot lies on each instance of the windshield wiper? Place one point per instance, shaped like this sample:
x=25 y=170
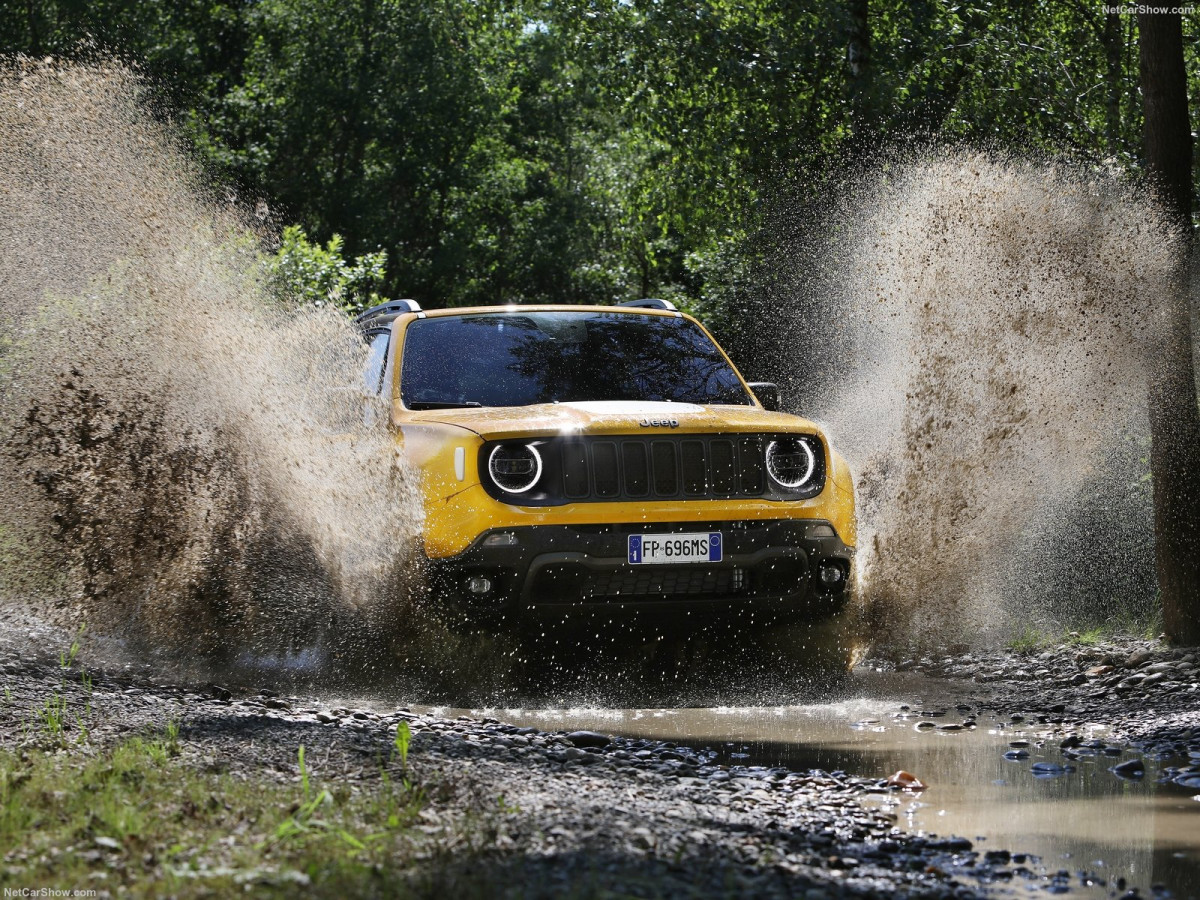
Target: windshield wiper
x=443 y=404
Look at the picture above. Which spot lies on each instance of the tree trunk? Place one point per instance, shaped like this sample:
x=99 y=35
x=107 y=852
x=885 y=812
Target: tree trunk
x=860 y=84
x=1174 y=420
x=35 y=40
x=1114 y=80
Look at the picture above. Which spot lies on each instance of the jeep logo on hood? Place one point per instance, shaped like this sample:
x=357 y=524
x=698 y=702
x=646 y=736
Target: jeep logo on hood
x=659 y=423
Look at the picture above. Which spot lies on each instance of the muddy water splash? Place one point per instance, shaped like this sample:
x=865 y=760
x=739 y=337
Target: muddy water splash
x=182 y=451
x=992 y=317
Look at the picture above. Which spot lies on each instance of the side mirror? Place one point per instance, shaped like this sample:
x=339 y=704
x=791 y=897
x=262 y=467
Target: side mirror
x=767 y=393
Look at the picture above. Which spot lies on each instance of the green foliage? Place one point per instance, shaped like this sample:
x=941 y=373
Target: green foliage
x=1089 y=631
x=66 y=658
x=589 y=150
x=308 y=273
x=54 y=716
x=165 y=828
x=403 y=738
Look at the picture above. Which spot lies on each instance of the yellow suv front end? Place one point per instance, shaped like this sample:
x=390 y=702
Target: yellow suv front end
x=601 y=463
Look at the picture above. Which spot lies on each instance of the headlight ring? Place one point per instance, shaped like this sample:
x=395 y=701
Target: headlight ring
x=791 y=462
x=515 y=468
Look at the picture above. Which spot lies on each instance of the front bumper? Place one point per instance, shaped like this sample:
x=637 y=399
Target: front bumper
x=770 y=573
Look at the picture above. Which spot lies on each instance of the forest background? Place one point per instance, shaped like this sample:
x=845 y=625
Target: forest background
x=497 y=151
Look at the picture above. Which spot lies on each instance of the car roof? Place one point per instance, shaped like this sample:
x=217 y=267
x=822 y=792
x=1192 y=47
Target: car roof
x=545 y=307
x=380 y=318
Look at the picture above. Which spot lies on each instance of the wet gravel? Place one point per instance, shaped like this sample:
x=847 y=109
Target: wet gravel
x=646 y=818
x=1148 y=694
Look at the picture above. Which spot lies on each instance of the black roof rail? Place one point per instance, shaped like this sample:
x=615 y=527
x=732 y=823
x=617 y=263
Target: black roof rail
x=650 y=303
x=389 y=310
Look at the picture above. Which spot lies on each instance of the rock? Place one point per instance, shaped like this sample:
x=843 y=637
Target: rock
x=1138 y=658
x=1050 y=770
x=642 y=838
x=954 y=844
x=906 y=781
x=1131 y=768
x=589 y=739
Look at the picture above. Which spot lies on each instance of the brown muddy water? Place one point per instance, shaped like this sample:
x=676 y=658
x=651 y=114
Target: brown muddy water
x=977 y=331
x=1085 y=821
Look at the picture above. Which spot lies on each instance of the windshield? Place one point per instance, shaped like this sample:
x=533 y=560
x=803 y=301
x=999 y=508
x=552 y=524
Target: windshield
x=517 y=359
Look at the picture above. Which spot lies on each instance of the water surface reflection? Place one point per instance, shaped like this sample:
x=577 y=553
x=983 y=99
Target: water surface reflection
x=1083 y=820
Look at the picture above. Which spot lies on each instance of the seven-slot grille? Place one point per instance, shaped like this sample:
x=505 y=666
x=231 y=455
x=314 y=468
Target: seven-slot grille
x=633 y=468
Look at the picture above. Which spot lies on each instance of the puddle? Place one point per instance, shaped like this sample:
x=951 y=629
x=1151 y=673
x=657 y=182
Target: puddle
x=1084 y=820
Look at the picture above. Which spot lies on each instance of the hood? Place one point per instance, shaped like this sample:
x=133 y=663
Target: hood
x=612 y=417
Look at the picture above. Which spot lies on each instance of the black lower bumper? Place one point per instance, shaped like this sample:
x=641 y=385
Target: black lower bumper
x=774 y=571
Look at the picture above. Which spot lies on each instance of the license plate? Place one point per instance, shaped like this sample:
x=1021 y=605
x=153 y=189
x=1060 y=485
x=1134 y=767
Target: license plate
x=648 y=549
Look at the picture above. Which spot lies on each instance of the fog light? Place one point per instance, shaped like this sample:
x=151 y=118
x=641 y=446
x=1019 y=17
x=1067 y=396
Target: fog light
x=477 y=584
x=831 y=574
x=503 y=539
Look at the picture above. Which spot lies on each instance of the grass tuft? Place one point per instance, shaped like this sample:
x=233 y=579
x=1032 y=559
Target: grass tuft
x=403 y=739
x=154 y=826
x=1086 y=634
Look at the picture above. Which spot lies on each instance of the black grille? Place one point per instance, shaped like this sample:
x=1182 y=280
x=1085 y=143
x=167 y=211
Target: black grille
x=572 y=582
x=633 y=467
x=590 y=468
x=642 y=583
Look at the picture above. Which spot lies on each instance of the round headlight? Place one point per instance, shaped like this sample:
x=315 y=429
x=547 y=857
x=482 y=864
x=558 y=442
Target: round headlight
x=791 y=462
x=515 y=467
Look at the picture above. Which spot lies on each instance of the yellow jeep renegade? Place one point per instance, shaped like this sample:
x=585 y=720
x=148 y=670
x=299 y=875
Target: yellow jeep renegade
x=608 y=462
